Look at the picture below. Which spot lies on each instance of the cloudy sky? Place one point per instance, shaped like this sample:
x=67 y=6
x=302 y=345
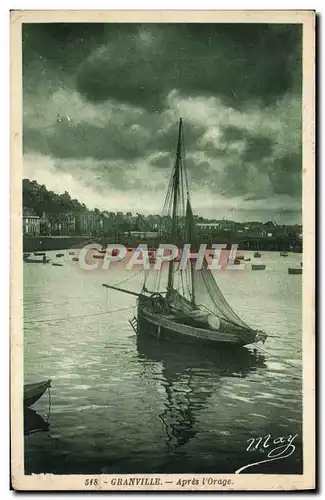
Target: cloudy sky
x=101 y=104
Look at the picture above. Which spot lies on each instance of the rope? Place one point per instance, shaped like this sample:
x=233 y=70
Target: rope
x=50 y=402
x=52 y=320
x=129 y=278
x=278 y=357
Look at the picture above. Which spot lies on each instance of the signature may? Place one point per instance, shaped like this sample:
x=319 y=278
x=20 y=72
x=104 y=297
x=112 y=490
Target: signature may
x=278 y=448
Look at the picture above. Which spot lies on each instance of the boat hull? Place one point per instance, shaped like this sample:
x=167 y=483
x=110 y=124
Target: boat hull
x=33 y=422
x=34 y=261
x=258 y=267
x=294 y=270
x=33 y=392
x=160 y=326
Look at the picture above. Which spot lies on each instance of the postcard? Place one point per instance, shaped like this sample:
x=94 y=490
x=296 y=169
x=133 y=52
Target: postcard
x=162 y=250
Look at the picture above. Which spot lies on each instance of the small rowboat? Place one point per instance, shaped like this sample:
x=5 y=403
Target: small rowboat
x=257 y=255
x=75 y=259
x=32 y=392
x=295 y=270
x=57 y=264
x=71 y=253
x=284 y=254
x=101 y=256
x=258 y=267
x=33 y=422
x=37 y=261
x=39 y=254
x=60 y=255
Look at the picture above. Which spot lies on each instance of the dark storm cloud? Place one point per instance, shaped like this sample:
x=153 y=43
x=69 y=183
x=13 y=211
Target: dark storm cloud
x=286 y=175
x=121 y=138
x=257 y=148
x=231 y=68
x=140 y=64
x=200 y=173
x=237 y=62
x=62 y=47
x=84 y=140
x=233 y=134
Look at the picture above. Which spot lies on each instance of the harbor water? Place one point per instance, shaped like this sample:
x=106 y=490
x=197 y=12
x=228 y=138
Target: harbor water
x=122 y=404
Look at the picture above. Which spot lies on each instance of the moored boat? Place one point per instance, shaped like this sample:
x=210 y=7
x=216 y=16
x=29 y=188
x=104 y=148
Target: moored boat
x=258 y=267
x=60 y=255
x=257 y=255
x=33 y=422
x=37 y=261
x=294 y=270
x=284 y=254
x=33 y=392
x=191 y=308
x=57 y=264
x=39 y=254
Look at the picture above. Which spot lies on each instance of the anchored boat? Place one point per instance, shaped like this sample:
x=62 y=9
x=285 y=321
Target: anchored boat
x=258 y=267
x=191 y=308
x=33 y=422
x=294 y=270
x=44 y=260
x=32 y=392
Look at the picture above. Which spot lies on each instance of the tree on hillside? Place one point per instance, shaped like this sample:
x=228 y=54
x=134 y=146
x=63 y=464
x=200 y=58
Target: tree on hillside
x=41 y=200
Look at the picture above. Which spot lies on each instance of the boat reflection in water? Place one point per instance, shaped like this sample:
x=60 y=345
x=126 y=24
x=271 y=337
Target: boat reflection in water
x=33 y=422
x=190 y=376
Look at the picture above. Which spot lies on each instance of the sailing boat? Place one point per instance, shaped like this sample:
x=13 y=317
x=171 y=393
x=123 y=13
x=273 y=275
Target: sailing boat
x=192 y=307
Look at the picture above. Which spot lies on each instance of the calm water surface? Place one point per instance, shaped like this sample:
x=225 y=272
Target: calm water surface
x=125 y=405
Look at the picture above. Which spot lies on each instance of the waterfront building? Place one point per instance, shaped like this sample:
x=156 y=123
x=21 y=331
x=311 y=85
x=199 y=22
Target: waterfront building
x=31 y=223
x=63 y=224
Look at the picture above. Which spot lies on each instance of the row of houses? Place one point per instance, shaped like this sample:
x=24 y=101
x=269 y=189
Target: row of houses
x=66 y=224
x=111 y=223
x=87 y=223
x=256 y=229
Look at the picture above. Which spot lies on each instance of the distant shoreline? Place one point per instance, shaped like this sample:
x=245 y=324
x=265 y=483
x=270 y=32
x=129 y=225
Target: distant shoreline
x=48 y=243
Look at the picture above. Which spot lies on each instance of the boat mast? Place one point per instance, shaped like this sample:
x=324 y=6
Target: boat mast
x=190 y=235
x=175 y=199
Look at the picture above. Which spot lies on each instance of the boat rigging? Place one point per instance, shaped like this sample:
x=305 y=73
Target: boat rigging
x=190 y=306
